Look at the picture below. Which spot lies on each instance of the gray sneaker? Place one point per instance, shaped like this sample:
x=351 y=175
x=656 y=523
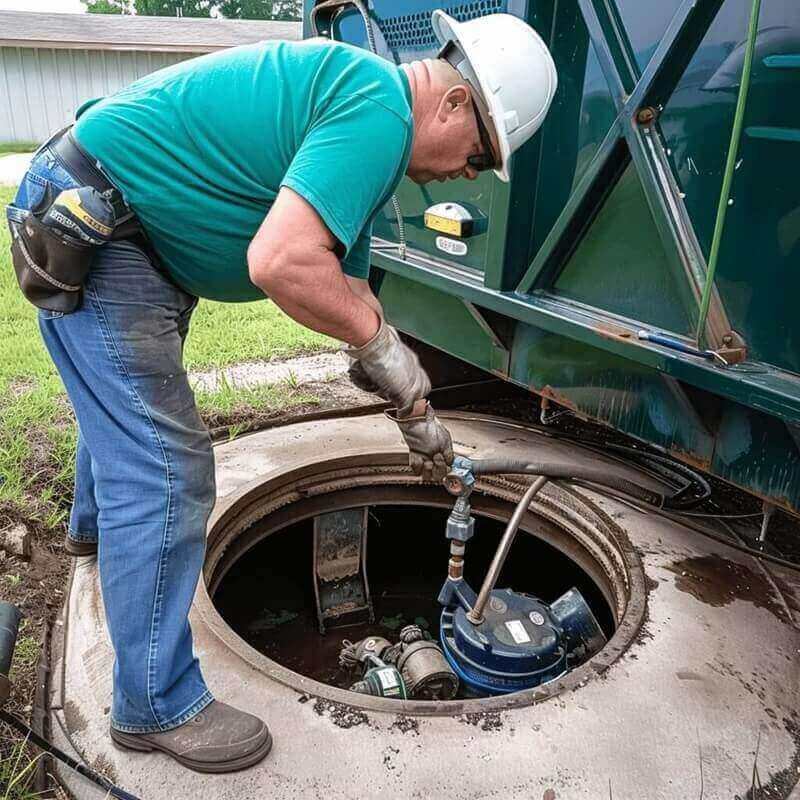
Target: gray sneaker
x=219 y=739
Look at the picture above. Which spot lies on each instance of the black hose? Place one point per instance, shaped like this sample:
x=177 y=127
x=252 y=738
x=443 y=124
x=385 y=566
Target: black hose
x=596 y=475
x=9 y=628
x=87 y=772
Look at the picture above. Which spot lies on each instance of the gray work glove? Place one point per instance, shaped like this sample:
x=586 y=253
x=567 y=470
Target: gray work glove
x=386 y=367
x=430 y=449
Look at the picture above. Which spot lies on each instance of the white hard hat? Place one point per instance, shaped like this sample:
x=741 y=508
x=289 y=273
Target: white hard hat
x=513 y=70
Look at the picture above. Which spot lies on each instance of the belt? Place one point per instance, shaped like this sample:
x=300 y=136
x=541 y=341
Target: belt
x=86 y=172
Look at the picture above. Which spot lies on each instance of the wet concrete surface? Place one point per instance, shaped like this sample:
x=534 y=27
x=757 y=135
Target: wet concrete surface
x=717 y=581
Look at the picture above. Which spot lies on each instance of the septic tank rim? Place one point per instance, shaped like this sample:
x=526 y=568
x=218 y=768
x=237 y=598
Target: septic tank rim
x=360 y=468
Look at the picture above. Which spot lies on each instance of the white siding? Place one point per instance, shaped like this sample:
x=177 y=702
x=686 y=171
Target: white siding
x=40 y=88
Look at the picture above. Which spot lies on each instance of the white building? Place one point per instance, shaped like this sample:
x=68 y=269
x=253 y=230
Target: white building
x=51 y=63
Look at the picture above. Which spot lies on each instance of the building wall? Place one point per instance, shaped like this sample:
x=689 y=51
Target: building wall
x=40 y=89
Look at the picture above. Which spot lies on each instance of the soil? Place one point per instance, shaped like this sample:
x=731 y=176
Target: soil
x=36 y=587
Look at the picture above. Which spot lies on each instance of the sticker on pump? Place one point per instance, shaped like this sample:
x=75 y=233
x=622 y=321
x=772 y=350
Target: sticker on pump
x=388 y=678
x=517 y=630
x=451 y=246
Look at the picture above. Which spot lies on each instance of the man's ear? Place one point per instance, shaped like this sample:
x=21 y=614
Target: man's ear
x=453 y=99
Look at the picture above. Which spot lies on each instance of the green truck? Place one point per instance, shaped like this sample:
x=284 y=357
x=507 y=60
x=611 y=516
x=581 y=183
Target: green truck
x=641 y=267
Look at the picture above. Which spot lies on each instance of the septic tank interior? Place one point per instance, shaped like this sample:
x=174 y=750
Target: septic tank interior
x=267 y=594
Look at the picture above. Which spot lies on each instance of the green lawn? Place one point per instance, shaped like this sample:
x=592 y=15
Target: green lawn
x=17 y=147
x=37 y=433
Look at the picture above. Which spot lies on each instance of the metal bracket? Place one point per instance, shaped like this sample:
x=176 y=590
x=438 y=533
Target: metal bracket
x=733 y=347
x=500 y=355
x=340 y=569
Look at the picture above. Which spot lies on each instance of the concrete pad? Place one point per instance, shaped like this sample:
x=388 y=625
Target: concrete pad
x=13 y=167
x=710 y=676
x=303 y=369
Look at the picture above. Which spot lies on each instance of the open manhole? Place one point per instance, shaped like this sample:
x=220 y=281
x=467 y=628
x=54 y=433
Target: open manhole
x=263 y=573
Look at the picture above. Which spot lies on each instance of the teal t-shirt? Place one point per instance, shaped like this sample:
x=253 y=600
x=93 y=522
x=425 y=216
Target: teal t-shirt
x=200 y=150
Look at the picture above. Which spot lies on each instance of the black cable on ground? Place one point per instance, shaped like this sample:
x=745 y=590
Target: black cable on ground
x=686 y=520
x=88 y=773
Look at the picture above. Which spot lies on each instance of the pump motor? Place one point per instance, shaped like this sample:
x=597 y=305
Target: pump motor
x=522 y=641
x=500 y=640
x=421 y=668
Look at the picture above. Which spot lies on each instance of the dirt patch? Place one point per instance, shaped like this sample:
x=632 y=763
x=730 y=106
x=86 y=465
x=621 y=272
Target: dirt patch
x=404 y=724
x=485 y=720
x=716 y=581
x=341 y=715
x=36 y=587
x=327 y=396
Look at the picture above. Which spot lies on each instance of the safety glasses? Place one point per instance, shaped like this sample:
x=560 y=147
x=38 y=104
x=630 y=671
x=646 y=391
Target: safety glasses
x=486 y=158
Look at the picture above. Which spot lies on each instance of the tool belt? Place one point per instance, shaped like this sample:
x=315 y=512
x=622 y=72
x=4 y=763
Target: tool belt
x=53 y=247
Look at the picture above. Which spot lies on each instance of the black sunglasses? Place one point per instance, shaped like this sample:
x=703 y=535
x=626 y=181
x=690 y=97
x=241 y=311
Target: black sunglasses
x=485 y=159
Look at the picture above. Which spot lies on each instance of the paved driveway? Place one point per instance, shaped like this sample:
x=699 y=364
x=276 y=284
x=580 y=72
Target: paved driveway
x=12 y=168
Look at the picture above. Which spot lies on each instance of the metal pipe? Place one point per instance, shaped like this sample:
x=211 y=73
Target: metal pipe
x=475 y=614
x=730 y=165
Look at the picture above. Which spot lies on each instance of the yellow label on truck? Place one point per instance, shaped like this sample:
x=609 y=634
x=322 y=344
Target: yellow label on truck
x=452 y=227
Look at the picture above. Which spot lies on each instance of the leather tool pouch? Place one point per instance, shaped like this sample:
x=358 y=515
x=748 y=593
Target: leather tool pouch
x=50 y=270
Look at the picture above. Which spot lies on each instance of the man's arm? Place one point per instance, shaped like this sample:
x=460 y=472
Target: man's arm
x=292 y=259
x=360 y=287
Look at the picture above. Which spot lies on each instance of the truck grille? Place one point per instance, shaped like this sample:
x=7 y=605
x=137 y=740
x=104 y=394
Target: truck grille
x=414 y=31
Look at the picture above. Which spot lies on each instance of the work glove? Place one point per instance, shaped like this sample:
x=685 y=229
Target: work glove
x=430 y=448
x=386 y=367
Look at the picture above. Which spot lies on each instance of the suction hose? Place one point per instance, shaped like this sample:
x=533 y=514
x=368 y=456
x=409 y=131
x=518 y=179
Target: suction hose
x=545 y=471
x=596 y=475
x=475 y=614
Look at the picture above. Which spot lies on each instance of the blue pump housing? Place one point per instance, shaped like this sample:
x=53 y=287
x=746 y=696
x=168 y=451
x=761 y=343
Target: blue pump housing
x=522 y=641
x=519 y=644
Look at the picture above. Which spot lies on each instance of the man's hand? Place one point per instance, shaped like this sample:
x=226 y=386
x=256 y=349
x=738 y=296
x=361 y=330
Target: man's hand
x=391 y=369
x=429 y=444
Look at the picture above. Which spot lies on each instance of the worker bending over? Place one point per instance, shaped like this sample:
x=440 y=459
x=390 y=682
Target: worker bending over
x=250 y=173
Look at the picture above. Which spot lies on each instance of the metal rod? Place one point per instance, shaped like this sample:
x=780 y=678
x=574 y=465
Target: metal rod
x=730 y=165
x=475 y=614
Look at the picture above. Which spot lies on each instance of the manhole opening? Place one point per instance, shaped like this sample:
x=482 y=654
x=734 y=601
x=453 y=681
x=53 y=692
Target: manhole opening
x=264 y=585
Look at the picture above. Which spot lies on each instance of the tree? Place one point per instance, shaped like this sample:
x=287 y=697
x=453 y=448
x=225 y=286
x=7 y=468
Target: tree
x=170 y=8
x=260 y=9
x=152 y=8
x=109 y=7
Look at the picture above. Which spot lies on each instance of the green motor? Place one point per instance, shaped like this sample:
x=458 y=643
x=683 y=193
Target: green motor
x=380 y=680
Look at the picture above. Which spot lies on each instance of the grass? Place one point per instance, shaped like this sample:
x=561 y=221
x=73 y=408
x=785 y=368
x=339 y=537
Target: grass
x=37 y=431
x=17 y=147
x=17 y=769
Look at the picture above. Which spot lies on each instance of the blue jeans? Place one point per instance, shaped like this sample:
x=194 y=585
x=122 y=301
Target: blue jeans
x=144 y=477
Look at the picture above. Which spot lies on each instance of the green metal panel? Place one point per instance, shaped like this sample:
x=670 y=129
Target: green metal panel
x=455 y=326
x=757 y=276
x=605 y=228
x=630 y=397
x=621 y=267
x=579 y=119
x=645 y=24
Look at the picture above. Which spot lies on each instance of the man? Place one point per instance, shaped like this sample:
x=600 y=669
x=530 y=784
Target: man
x=254 y=171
